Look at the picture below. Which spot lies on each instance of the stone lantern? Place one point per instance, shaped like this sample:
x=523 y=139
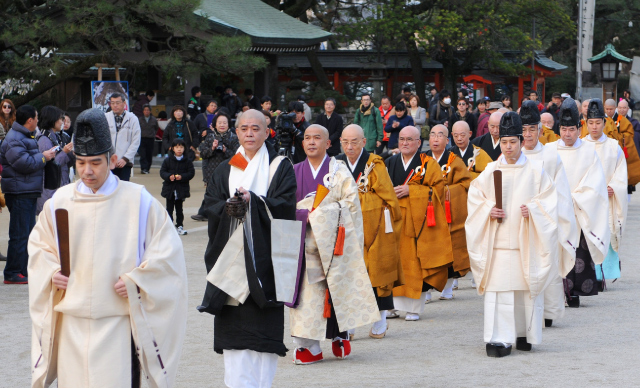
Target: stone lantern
x=609 y=61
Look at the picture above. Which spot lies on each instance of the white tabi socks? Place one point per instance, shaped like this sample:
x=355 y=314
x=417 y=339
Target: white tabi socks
x=380 y=326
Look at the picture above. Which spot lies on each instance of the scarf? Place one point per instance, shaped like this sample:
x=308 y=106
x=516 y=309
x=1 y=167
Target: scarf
x=255 y=176
x=366 y=111
x=118 y=119
x=442 y=104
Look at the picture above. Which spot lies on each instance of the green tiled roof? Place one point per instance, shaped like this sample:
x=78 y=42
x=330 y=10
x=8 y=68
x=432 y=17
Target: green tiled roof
x=609 y=50
x=264 y=24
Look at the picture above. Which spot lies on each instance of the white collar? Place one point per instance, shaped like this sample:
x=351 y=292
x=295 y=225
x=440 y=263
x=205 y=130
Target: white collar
x=495 y=144
x=440 y=157
x=575 y=145
x=313 y=170
x=108 y=187
x=463 y=151
x=406 y=165
x=352 y=167
x=537 y=148
x=255 y=177
x=602 y=138
x=521 y=159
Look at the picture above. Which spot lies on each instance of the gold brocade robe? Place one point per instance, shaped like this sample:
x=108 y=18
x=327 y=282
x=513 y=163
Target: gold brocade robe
x=623 y=132
x=380 y=248
x=547 y=135
x=457 y=183
x=481 y=161
x=425 y=252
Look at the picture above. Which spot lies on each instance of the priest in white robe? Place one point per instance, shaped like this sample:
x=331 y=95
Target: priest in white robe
x=567 y=230
x=614 y=166
x=590 y=203
x=123 y=307
x=336 y=294
x=512 y=261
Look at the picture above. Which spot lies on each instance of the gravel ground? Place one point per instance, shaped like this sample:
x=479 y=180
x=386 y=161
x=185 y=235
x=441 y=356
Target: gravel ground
x=595 y=345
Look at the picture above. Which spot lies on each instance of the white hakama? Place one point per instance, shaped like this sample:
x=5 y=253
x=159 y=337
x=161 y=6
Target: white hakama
x=249 y=369
x=512 y=314
x=416 y=306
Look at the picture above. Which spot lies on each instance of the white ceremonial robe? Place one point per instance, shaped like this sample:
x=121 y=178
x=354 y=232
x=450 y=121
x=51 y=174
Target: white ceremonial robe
x=589 y=194
x=347 y=278
x=82 y=336
x=512 y=262
x=614 y=166
x=568 y=237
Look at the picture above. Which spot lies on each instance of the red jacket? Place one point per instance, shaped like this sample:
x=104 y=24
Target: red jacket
x=385 y=117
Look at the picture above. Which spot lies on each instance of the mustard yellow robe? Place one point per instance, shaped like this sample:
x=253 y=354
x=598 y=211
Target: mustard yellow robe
x=547 y=135
x=425 y=252
x=457 y=182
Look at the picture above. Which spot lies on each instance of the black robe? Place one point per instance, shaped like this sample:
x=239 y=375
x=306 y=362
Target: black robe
x=258 y=324
x=486 y=144
x=396 y=169
x=384 y=303
x=467 y=155
x=443 y=159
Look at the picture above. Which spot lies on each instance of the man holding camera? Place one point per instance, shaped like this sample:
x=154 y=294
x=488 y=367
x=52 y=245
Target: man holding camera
x=300 y=124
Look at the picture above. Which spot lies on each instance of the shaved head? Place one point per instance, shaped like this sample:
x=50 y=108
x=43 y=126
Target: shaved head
x=610 y=107
x=623 y=103
x=585 y=107
x=442 y=128
x=461 y=134
x=253 y=114
x=623 y=107
x=317 y=128
x=547 y=120
x=410 y=131
x=610 y=102
x=503 y=110
x=353 y=130
x=494 y=124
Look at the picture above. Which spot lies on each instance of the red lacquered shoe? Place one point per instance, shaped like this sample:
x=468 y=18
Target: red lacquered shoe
x=341 y=348
x=302 y=356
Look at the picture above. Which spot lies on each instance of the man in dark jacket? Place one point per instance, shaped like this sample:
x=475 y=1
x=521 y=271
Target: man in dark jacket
x=334 y=124
x=194 y=108
x=301 y=125
x=252 y=100
x=148 y=130
x=143 y=99
x=231 y=101
x=22 y=175
x=441 y=112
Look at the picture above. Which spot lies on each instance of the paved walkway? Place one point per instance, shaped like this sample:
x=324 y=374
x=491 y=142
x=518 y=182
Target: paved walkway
x=595 y=345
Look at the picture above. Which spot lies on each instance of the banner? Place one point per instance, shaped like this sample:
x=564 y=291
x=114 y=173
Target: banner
x=102 y=90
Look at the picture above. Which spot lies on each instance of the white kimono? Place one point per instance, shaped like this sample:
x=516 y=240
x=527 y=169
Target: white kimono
x=589 y=194
x=568 y=238
x=512 y=262
x=82 y=336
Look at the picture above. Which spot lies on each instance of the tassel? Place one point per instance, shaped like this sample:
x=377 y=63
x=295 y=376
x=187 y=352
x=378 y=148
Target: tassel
x=327 y=305
x=431 y=216
x=626 y=153
x=447 y=209
x=339 y=249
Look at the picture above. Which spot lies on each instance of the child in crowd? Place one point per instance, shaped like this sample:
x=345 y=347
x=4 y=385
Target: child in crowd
x=176 y=171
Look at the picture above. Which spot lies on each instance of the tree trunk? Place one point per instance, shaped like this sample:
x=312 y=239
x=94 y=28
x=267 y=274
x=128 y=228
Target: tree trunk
x=416 y=71
x=318 y=70
x=49 y=82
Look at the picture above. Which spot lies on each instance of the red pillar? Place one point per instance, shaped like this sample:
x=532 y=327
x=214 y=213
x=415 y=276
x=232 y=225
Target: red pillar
x=520 y=90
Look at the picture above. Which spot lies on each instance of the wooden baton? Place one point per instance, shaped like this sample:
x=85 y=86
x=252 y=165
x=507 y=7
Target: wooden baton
x=62 y=226
x=497 y=184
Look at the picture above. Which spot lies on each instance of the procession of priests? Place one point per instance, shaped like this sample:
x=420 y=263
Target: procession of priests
x=340 y=244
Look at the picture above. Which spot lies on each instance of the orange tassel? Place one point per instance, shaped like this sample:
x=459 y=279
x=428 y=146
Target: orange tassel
x=327 y=305
x=431 y=217
x=447 y=209
x=626 y=153
x=339 y=249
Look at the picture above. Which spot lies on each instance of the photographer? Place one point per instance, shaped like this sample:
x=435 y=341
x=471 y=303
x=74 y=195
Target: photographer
x=219 y=145
x=291 y=138
x=553 y=106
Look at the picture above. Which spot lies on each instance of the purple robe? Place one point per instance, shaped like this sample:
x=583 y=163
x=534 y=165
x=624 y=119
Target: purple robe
x=306 y=185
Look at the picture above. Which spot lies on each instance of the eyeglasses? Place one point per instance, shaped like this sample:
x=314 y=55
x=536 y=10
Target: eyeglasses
x=406 y=139
x=462 y=104
x=6 y=107
x=438 y=135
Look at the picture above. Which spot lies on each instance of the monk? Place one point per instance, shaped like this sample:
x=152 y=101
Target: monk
x=618 y=127
x=381 y=218
x=419 y=186
x=336 y=294
x=546 y=132
x=457 y=181
x=614 y=167
x=474 y=157
x=490 y=142
x=512 y=260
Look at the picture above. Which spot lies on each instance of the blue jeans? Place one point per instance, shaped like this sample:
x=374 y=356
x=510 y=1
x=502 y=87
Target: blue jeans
x=22 y=219
x=123 y=173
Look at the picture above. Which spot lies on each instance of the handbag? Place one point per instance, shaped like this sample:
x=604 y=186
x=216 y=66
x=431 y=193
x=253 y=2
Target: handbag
x=52 y=175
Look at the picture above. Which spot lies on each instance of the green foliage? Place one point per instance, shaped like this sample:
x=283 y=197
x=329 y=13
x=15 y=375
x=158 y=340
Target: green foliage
x=612 y=26
x=36 y=37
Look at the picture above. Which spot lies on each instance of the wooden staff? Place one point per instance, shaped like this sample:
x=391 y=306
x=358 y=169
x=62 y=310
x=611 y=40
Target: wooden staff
x=497 y=184
x=62 y=226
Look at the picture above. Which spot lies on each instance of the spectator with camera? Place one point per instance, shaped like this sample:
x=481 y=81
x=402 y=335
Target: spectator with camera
x=300 y=124
x=52 y=136
x=219 y=145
